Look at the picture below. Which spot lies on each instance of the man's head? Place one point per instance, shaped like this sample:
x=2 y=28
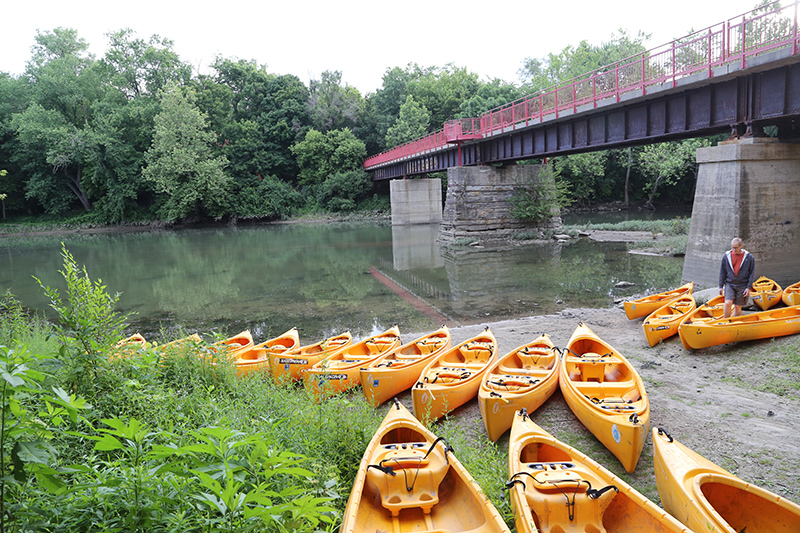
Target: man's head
x=736 y=245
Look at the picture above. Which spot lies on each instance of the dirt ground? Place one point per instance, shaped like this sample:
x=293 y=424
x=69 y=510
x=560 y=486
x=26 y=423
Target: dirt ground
x=706 y=399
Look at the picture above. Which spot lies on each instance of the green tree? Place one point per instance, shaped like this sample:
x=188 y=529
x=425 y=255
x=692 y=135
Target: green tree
x=666 y=163
x=413 y=122
x=268 y=115
x=333 y=106
x=573 y=61
x=138 y=67
x=320 y=155
x=585 y=174
x=489 y=95
x=56 y=144
x=179 y=162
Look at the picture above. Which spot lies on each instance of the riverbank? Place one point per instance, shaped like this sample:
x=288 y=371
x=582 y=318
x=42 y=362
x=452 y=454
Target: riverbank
x=738 y=405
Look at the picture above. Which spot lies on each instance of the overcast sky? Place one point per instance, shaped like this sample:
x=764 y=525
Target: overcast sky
x=361 y=38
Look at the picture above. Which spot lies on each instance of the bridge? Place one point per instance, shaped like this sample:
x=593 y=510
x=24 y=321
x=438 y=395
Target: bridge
x=739 y=76
x=736 y=76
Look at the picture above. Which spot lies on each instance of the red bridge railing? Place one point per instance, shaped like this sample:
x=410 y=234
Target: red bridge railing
x=732 y=42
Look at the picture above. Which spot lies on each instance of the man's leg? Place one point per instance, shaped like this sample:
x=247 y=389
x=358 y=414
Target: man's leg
x=726 y=309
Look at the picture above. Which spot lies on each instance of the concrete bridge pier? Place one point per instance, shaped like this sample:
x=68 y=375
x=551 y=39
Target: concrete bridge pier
x=416 y=201
x=748 y=188
x=477 y=204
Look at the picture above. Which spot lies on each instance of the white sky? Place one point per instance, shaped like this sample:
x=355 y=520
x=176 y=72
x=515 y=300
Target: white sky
x=360 y=38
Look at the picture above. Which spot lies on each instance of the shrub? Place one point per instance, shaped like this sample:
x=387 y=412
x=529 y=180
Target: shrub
x=542 y=199
x=341 y=191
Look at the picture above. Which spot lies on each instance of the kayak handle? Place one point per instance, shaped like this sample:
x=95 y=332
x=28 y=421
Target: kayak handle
x=662 y=431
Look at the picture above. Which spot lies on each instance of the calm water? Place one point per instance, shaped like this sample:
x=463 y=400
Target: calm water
x=326 y=279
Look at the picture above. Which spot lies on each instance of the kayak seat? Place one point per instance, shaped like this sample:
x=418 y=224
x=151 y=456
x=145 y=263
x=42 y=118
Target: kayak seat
x=477 y=351
x=379 y=344
x=429 y=346
x=407 y=476
x=565 y=501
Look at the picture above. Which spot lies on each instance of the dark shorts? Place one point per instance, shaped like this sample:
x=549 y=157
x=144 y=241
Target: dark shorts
x=736 y=294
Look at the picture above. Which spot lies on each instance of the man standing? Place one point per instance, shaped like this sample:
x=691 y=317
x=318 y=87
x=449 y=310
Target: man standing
x=736 y=277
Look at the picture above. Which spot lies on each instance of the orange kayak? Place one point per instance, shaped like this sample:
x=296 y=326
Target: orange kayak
x=453 y=377
x=340 y=372
x=233 y=345
x=646 y=305
x=766 y=293
x=410 y=481
x=523 y=378
x=397 y=370
x=291 y=364
x=706 y=497
x=555 y=488
x=257 y=358
x=791 y=294
x=664 y=321
x=762 y=325
x=606 y=394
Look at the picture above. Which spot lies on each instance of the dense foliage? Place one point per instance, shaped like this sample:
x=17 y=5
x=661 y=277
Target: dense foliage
x=135 y=136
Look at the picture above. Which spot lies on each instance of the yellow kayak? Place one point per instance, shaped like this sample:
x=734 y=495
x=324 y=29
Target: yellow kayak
x=606 y=394
x=258 y=357
x=555 y=488
x=766 y=293
x=791 y=294
x=233 y=345
x=664 y=321
x=410 y=481
x=762 y=325
x=397 y=370
x=128 y=346
x=523 y=378
x=711 y=310
x=291 y=364
x=340 y=371
x=708 y=498
x=646 y=305
x=453 y=378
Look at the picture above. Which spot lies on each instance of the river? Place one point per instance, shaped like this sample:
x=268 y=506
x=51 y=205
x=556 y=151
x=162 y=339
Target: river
x=327 y=278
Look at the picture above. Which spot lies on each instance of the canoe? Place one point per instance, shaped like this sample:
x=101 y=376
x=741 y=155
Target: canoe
x=258 y=357
x=705 y=497
x=791 y=295
x=192 y=344
x=233 y=345
x=523 y=378
x=340 y=372
x=646 y=305
x=127 y=346
x=606 y=394
x=765 y=293
x=711 y=310
x=453 y=377
x=410 y=480
x=555 y=488
x=663 y=322
x=291 y=364
x=398 y=370
x=762 y=325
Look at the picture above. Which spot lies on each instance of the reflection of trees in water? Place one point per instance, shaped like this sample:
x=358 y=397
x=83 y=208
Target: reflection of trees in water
x=533 y=279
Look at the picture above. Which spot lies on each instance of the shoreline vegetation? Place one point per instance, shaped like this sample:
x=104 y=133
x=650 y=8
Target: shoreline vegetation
x=656 y=237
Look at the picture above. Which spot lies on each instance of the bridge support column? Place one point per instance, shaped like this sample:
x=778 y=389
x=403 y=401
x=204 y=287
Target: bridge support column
x=748 y=188
x=416 y=201
x=477 y=203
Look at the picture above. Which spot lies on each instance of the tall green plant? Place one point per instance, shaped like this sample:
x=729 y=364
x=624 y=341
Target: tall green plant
x=30 y=415
x=88 y=323
x=542 y=199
